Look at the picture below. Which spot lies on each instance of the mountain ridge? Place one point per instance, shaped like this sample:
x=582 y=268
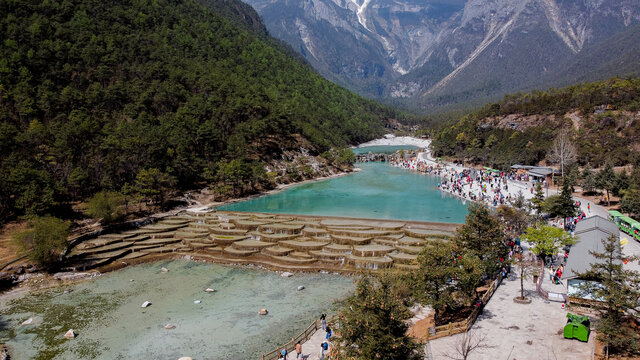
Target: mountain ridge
x=433 y=53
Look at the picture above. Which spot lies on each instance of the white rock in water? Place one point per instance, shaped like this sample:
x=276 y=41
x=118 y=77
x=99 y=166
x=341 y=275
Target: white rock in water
x=169 y=326
x=131 y=280
x=286 y=274
x=197 y=301
x=263 y=312
x=164 y=269
x=146 y=303
x=28 y=321
x=209 y=290
x=301 y=287
x=186 y=358
x=70 y=334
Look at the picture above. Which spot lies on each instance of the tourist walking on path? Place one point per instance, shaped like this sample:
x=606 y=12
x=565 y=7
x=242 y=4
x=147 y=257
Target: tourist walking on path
x=323 y=347
x=298 y=350
x=323 y=319
x=328 y=330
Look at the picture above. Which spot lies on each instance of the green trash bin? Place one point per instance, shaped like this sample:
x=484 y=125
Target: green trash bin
x=577 y=327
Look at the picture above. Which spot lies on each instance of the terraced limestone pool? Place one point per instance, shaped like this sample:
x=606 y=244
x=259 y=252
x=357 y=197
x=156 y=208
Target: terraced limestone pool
x=107 y=315
x=379 y=191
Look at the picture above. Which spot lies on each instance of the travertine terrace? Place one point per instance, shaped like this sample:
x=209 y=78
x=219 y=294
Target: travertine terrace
x=284 y=242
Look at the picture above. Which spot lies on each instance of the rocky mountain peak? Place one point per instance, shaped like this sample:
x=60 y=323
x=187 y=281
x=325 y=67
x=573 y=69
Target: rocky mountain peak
x=436 y=48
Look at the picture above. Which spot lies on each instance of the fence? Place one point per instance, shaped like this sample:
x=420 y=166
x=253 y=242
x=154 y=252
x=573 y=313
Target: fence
x=464 y=325
x=290 y=346
x=551 y=296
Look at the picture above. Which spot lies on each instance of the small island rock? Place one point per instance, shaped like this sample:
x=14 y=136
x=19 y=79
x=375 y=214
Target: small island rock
x=70 y=334
x=263 y=312
x=286 y=274
x=28 y=321
x=209 y=290
x=169 y=326
x=301 y=287
x=146 y=304
x=164 y=269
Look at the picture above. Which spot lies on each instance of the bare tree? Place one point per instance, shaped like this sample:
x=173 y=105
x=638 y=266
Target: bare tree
x=526 y=265
x=467 y=344
x=563 y=150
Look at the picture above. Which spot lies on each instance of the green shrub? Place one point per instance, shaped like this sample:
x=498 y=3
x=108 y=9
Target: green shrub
x=44 y=240
x=107 y=206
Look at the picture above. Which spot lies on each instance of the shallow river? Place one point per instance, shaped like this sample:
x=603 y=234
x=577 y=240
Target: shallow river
x=107 y=315
x=379 y=191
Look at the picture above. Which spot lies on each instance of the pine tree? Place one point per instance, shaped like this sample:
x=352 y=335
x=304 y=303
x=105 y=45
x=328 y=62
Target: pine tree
x=619 y=289
x=538 y=198
x=562 y=205
x=630 y=202
x=437 y=267
x=372 y=324
x=482 y=235
x=606 y=180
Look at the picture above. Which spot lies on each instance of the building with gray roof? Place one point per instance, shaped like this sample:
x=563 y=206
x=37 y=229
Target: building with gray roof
x=589 y=234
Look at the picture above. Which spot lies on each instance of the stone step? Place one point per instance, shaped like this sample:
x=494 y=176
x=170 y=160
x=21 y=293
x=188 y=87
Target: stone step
x=250 y=244
x=403 y=258
x=338 y=248
x=236 y=252
x=350 y=240
x=414 y=250
x=303 y=245
x=292 y=260
x=300 y=255
x=369 y=262
x=103 y=249
x=372 y=250
x=277 y=250
x=225 y=240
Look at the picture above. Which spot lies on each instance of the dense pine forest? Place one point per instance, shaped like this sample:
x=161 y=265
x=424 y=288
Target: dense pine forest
x=601 y=119
x=137 y=96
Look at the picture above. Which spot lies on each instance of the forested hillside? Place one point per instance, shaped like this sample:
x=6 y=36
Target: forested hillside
x=602 y=120
x=136 y=95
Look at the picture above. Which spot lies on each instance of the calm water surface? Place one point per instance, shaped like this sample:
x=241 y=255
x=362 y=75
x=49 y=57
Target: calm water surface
x=379 y=191
x=110 y=323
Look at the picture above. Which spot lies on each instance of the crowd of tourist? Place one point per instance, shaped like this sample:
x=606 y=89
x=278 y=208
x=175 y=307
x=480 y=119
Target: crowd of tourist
x=486 y=186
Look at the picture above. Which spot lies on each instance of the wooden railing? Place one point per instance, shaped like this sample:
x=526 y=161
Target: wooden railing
x=464 y=325
x=291 y=345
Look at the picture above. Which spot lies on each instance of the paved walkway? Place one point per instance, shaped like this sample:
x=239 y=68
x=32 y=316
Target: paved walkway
x=311 y=348
x=521 y=332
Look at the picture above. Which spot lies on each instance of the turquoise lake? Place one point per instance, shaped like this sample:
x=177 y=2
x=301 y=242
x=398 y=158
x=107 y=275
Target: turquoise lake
x=379 y=191
x=383 y=149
